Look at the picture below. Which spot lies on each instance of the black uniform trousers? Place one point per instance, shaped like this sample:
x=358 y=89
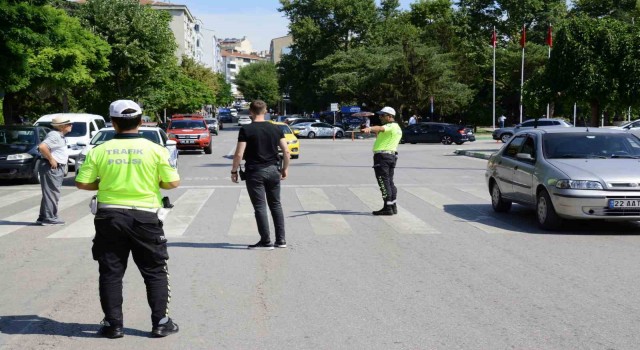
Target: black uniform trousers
x=118 y=232
x=384 y=165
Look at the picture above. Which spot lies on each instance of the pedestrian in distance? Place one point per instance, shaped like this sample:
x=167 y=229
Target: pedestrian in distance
x=258 y=144
x=385 y=157
x=51 y=171
x=501 y=121
x=128 y=173
x=413 y=120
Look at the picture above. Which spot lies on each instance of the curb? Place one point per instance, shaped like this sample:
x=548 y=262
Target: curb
x=478 y=153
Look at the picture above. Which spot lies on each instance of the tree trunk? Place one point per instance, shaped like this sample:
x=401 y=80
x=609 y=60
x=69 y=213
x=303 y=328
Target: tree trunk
x=595 y=113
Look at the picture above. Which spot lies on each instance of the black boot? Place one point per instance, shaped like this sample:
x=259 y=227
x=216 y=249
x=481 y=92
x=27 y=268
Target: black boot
x=394 y=208
x=386 y=210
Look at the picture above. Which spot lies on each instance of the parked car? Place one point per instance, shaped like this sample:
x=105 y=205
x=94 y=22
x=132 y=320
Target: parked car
x=504 y=134
x=568 y=173
x=304 y=120
x=84 y=127
x=434 y=132
x=313 y=130
x=292 y=141
x=19 y=155
x=632 y=127
x=153 y=134
x=469 y=131
x=352 y=123
x=212 y=124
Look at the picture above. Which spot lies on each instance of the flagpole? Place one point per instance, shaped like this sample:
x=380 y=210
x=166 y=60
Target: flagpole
x=522 y=43
x=494 y=76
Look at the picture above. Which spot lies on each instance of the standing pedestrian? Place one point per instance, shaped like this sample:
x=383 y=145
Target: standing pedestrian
x=385 y=156
x=501 y=120
x=128 y=172
x=413 y=120
x=258 y=144
x=54 y=150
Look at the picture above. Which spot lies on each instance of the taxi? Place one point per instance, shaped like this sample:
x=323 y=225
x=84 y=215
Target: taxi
x=290 y=136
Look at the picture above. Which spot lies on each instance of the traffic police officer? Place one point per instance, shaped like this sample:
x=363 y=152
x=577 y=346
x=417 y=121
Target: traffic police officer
x=385 y=156
x=128 y=172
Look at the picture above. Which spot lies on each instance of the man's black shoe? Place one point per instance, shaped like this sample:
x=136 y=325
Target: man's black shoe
x=281 y=244
x=165 y=329
x=261 y=246
x=109 y=331
x=386 y=210
x=394 y=208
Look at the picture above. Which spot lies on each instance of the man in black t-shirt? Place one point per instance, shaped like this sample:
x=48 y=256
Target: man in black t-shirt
x=258 y=144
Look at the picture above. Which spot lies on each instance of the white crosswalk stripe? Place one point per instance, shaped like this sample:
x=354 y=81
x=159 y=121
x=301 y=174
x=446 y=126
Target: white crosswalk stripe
x=27 y=217
x=403 y=223
x=324 y=214
x=323 y=222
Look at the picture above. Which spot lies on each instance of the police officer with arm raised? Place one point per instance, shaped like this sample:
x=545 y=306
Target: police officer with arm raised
x=128 y=172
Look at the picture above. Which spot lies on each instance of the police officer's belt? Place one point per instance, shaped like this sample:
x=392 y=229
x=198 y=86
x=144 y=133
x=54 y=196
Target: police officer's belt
x=389 y=152
x=116 y=206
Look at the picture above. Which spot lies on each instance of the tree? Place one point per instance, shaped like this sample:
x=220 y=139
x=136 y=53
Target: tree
x=259 y=81
x=45 y=55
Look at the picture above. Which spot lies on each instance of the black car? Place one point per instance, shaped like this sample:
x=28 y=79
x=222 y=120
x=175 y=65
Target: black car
x=19 y=155
x=434 y=132
x=225 y=117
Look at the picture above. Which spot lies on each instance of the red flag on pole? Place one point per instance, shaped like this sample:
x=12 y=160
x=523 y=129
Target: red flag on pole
x=523 y=38
x=549 y=40
x=493 y=38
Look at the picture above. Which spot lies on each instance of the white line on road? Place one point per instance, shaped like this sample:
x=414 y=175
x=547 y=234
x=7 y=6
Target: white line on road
x=185 y=210
x=244 y=222
x=319 y=209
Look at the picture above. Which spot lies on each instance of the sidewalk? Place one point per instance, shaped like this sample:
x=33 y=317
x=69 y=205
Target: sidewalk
x=486 y=147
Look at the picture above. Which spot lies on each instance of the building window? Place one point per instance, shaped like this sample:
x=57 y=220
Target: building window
x=246 y=60
x=231 y=65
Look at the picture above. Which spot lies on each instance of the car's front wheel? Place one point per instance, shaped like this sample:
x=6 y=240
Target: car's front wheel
x=547 y=217
x=208 y=149
x=446 y=140
x=339 y=134
x=505 y=137
x=498 y=203
x=311 y=135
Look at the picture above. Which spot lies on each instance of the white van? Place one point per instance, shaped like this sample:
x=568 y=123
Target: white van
x=84 y=127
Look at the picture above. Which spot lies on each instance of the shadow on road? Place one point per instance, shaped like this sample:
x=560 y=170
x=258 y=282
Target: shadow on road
x=34 y=324
x=221 y=245
x=339 y=212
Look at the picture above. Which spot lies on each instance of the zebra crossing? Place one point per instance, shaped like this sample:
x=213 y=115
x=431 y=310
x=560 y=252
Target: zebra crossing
x=328 y=216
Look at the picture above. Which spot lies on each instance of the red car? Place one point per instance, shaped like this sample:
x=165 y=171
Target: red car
x=191 y=132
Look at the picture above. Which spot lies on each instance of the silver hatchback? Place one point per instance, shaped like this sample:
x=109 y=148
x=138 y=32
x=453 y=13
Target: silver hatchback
x=568 y=173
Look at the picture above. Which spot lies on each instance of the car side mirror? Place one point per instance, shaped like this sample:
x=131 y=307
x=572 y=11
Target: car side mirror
x=171 y=143
x=525 y=156
x=296 y=132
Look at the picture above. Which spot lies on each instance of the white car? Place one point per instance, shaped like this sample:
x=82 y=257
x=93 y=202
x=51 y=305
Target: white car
x=233 y=111
x=153 y=134
x=312 y=130
x=244 y=120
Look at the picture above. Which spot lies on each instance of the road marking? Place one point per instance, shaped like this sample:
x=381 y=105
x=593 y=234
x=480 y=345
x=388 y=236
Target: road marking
x=320 y=216
x=404 y=222
x=243 y=222
x=27 y=217
x=12 y=198
x=439 y=200
x=185 y=210
x=82 y=228
x=477 y=192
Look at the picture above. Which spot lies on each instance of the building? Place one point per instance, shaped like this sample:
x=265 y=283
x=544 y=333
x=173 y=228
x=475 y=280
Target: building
x=280 y=46
x=232 y=44
x=185 y=27
x=232 y=62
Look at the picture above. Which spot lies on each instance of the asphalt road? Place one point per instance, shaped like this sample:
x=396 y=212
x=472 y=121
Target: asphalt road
x=446 y=273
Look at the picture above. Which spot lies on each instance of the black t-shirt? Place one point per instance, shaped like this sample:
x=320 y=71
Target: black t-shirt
x=262 y=140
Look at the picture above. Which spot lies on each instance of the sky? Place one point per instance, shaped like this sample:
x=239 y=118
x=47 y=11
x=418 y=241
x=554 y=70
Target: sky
x=258 y=20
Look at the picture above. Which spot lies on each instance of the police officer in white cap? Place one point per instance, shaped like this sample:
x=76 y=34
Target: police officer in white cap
x=128 y=172
x=385 y=156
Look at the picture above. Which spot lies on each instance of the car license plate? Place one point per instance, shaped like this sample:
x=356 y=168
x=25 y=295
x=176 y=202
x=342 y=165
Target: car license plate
x=624 y=203
x=188 y=141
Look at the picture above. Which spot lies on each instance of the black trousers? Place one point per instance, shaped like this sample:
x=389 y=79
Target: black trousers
x=118 y=232
x=384 y=165
x=263 y=186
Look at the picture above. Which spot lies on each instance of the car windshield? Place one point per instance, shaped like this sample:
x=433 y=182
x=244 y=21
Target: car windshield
x=285 y=129
x=187 y=124
x=590 y=145
x=18 y=137
x=79 y=129
x=105 y=135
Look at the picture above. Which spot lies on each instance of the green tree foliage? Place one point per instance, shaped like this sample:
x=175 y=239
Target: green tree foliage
x=46 y=55
x=259 y=81
x=214 y=82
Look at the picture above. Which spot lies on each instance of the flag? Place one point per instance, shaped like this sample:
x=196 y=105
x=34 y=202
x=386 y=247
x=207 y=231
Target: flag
x=549 y=39
x=493 y=38
x=523 y=38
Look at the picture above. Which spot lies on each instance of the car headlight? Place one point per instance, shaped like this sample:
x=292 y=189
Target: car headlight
x=579 y=184
x=172 y=136
x=19 y=156
x=292 y=142
x=202 y=136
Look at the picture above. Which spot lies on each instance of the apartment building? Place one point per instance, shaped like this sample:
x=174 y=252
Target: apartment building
x=185 y=27
x=232 y=62
x=280 y=46
x=242 y=45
